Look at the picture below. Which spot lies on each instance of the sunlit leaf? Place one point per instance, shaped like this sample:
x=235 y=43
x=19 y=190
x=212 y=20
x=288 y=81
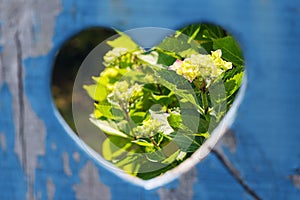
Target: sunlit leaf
x=108 y=127
x=97 y=91
x=143 y=142
x=113 y=147
x=175 y=120
x=230 y=50
x=233 y=84
x=123 y=41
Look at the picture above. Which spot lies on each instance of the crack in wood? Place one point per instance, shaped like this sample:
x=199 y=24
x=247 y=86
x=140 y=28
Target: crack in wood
x=20 y=91
x=234 y=172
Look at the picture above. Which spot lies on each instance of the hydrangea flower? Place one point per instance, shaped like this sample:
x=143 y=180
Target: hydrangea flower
x=203 y=66
x=123 y=92
x=111 y=56
x=148 y=129
x=219 y=62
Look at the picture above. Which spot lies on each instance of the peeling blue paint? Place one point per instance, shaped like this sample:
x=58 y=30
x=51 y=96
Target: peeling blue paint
x=56 y=134
x=36 y=29
x=12 y=179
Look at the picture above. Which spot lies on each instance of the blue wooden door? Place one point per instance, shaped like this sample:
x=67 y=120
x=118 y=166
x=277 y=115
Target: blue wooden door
x=40 y=157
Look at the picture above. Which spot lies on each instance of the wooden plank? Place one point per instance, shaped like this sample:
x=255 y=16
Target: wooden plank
x=40 y=158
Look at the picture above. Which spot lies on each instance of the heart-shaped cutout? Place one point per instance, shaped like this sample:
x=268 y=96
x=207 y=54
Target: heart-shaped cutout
x=156 y=106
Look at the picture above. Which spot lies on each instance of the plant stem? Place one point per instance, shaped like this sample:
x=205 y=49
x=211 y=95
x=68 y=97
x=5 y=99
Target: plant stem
x=154 y=143
x=159 y=88
x=205 y=102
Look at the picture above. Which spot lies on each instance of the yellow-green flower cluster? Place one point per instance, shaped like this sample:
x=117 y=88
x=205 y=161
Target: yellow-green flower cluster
x=112 y=55
x=219 y=62
x=123 y=92
x=148 y=129
x=119 y=57
x=203 y=66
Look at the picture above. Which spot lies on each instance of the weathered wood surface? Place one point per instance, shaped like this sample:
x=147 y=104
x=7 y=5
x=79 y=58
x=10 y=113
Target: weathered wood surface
x=41 y=159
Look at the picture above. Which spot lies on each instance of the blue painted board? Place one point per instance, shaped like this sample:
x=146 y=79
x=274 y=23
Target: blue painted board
x=40 y=158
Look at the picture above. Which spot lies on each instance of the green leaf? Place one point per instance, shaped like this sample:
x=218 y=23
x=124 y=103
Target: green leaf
x=205 y=135
x=175 y=120
x=169 y=79
x=179 y=86
x=164 y=58
x=96 y=91
x=139 y=76
x=124 y=126
x=143 y=142
x=172 y=158
x=138 y=117
x=159 y=138
x=179 y=45
x=200 y=31
x=230 y=50
x=160 y=98
x=131 y=163
x=187 y=142
x=190 y=117
x=233 y=84
x=108 y=127
x=113 y=147
x=146 y=171
x=232 y=72
x=156 y=156
x=211 y=31
x=203 y=126
x=203 y=34
x=123 y=41
x=188 y=52
x=172 y=44
x=104 y=110
x=190 y=30
x=217 y=92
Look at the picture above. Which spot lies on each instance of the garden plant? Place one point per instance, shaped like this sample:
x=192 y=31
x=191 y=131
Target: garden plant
x=157 y=106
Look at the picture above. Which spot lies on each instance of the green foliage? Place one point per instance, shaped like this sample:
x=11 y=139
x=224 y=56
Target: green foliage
x=230 y=49
x=157 y=107
x=123 y=41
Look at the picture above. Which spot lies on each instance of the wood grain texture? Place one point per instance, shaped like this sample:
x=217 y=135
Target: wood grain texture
x=40 y=158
